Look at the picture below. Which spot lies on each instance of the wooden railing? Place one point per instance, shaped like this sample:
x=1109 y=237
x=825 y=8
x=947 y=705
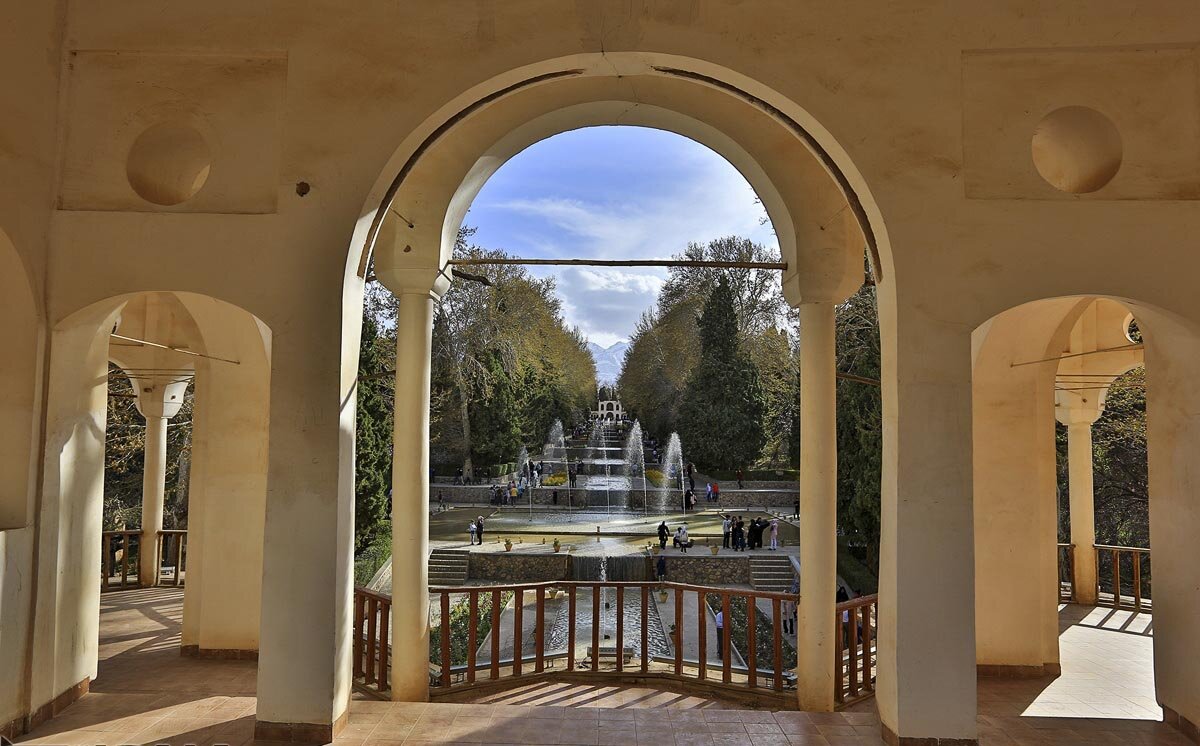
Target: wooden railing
x=372 y=640
x=119 y=559
x=172 y=558
x=1123 y=577
x=857 y=621
x=563 y=630
x=1066 y=573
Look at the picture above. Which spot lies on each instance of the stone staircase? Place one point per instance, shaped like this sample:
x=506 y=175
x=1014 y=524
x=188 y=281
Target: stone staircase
x=771 y=572
x=448 y=567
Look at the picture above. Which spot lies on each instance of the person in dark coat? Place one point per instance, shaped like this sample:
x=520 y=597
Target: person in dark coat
x=663 y=533
x=661 y=568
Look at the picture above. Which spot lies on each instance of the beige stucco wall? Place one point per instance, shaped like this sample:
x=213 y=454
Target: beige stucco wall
x=927 y=111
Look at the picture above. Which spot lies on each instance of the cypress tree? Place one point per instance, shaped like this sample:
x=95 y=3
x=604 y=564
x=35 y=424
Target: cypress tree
x=373 y=440
x=721 y=418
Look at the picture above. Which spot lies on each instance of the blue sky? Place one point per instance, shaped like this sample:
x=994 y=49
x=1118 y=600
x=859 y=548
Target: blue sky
x=612 y=193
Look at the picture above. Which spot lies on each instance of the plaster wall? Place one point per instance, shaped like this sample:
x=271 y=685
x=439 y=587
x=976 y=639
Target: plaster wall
x=229 y=479
x=1015 y=484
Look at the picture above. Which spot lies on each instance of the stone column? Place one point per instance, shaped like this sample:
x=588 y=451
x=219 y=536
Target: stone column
x=1083 y=511
x=410 y=498
x=154 y=485
x=926 y=684
x=815 y=639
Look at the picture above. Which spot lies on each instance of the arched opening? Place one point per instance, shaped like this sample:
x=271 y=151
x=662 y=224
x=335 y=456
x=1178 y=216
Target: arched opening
x=822 y=224
x=196 y=559
x=1051 y=597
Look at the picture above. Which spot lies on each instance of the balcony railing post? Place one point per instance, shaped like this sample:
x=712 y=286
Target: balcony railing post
x=518 y=629
x=678 y=641
x=571 y=628
x=472 y=631
x=596 y=601
x=752 y=642
x=446 y=662
x=1116 y=557
x=372 y=615
x=540 y=641
x=620 y=627
x=645 y=628
x=726 y=633
x=702 y=632
x=777 y=623
x=359 y=620
x=1137 y=581
x=495 y=634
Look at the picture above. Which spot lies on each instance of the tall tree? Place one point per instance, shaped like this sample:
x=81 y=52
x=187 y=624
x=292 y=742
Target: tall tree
x=721 y=418
x=373 y=438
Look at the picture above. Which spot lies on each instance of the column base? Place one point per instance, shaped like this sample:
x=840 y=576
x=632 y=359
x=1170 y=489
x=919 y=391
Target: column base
x=300 y=732
x=892 y=739
x=1181 y=724
x=225 y=654
x=54 y=707
x=988 y=670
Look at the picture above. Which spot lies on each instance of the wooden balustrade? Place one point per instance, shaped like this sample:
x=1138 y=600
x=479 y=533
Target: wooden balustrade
x=481 y=634
x=172 y=558
x=119 y=560
x=1066 y=573
x=372 y=643
x=1126 y=573
x=854 y=667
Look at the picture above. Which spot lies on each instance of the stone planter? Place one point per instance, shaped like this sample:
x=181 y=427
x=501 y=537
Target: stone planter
x=655 y=550
x=662 y=596
x=507 y=545
x=714 y=549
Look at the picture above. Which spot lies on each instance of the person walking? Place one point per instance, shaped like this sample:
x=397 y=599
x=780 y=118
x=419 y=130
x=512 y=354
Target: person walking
x=471 y=529
x=774 y=534
x=740 y=476
x=663 y=533
x=790 y=608
x=739 y=535
x=726 y=528
x=716 y=492
x=721 y=633
x=661 y=567
x=708 y=492
x=684 y=543
x=752 y=534
x=479 y=529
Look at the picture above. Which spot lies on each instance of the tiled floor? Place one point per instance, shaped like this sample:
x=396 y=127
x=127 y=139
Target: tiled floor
x=147 y=694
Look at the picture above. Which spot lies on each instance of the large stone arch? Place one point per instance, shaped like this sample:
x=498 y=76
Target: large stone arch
x=1015 y=504
x=228 y=478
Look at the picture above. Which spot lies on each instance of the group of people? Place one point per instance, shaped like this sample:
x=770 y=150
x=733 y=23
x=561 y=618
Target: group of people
x=680 y=540
x=739 y=537
x=476 y=531
x=712 y=492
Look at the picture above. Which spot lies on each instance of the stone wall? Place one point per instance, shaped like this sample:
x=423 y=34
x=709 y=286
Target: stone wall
x=733 y=498
x=517 y=567
x=700 y=568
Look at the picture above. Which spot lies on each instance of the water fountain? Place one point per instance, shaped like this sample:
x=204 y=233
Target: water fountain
x=555 y=452
x=522 y=472
x=673 y=464
x=635 y=459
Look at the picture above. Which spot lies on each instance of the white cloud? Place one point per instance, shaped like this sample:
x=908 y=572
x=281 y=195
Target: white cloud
x=687 y=194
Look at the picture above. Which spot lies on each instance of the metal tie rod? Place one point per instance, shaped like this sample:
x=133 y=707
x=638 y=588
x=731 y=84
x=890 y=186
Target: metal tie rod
x=471 y=262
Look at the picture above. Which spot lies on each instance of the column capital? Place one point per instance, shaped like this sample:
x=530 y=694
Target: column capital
x=416 y=281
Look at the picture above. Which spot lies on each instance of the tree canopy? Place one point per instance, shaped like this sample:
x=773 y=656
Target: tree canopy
x=721 y=417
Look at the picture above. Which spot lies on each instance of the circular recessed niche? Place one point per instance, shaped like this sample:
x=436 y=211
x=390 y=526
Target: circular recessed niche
x=168 y=163
x=1076 y=149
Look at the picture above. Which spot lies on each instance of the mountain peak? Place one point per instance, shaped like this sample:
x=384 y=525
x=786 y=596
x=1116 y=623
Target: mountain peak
x=608 y=361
